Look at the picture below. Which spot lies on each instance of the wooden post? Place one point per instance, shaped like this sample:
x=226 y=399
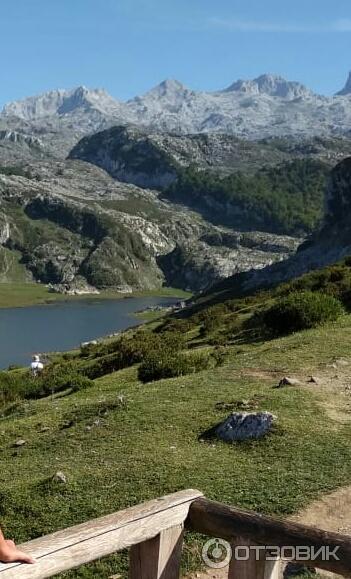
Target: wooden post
x=158 y=558
x=256 y=567
x=273 y=569
x=252 y=568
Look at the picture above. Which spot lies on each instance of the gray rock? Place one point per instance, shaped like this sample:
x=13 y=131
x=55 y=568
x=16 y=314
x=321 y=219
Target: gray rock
x=59 y=477
x=20 y=443
x=243 y=426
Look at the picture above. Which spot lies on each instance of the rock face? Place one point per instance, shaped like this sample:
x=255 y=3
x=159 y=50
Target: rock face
x=241 y=426
x=71 y=225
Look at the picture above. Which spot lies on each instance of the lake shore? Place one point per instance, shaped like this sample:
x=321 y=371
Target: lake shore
x=16 y=295
x=62 y=326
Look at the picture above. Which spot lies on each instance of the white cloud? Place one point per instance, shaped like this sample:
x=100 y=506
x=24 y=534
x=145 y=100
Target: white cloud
x=241 y=25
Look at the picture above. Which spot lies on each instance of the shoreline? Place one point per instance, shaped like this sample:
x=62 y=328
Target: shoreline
x=20 y=295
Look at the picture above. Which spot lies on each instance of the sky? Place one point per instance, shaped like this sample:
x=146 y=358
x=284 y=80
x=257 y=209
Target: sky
x=129 y=46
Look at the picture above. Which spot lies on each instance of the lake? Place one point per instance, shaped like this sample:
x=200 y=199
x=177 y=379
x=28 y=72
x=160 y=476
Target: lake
x=64 y=325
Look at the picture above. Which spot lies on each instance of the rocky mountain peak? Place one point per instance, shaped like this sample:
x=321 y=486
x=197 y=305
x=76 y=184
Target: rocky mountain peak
x=169 y=91
x=347 y=88
x=60 y=102
x=271 y=85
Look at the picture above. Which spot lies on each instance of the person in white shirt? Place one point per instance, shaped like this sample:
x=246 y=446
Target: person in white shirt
x=36 y=366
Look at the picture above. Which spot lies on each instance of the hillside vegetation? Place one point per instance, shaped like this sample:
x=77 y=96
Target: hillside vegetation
x=120 y=439
x=285 y=199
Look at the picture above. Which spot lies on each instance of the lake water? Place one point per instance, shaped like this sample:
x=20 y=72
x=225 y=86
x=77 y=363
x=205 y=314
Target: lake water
x=64 y=325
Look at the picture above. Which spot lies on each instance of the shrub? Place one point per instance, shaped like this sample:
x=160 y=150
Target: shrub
x=182 y=325
x=170 y=365
x=126 y=352
x=12 y=387
x=56 y=378
x=300 y=311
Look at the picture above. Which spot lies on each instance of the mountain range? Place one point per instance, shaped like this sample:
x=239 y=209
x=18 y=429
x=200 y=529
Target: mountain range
x=176 y=186
x=268 y=106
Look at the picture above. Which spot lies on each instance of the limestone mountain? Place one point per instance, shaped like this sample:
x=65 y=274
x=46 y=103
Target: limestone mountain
x=271 y=85
x=163 y=188
x=268 y=106
x=154 y=159
x=70 y=224
x=62 y=102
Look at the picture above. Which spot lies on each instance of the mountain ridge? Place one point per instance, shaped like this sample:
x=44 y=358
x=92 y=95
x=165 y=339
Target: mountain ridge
x=267 y=106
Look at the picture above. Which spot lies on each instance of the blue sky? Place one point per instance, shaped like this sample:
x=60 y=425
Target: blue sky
x=128 y=46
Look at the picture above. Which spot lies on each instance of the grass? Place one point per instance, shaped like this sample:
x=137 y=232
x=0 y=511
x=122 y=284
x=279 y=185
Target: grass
x=19 y=294
x=149 y=445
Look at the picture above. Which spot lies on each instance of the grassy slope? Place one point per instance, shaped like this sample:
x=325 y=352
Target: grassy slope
x=307 y=455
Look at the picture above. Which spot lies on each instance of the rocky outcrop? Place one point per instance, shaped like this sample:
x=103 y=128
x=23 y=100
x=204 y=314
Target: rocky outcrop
x=197 y=265
x=153 y=159
x=129 y=155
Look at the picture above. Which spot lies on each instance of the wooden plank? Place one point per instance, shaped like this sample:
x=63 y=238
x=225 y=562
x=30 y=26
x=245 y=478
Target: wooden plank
x=218 y=520
x=158 y=558
x=84 y=543
x=245 y=569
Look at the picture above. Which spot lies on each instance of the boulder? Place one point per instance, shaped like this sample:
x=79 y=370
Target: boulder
x=243 y=426
x=60 y=477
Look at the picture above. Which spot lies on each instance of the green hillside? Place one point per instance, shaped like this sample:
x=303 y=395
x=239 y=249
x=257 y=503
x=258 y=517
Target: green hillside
x=287 y=199
x=120 y=442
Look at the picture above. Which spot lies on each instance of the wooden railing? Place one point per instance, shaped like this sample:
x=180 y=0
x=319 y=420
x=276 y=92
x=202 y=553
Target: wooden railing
x=154 y=532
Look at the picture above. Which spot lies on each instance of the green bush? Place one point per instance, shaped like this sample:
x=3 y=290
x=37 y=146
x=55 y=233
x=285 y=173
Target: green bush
x=13 y=386
x=127 y=351
x=334 y=280
x=182 y=325
x=300 y=311
x=56 y=378
x=169 y=365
